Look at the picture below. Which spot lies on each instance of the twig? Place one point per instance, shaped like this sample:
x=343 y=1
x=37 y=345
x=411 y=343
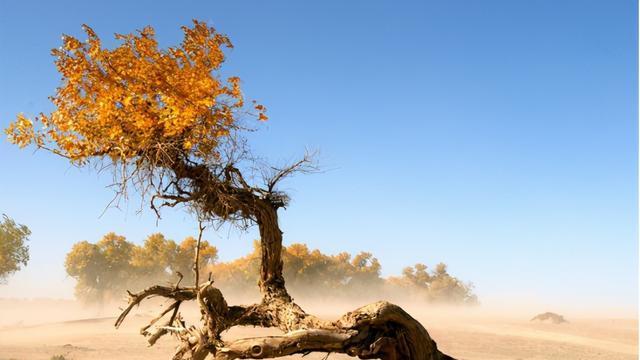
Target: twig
x=197 y=257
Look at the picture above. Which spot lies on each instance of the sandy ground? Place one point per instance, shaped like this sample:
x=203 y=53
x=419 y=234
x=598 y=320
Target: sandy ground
x=40 y=329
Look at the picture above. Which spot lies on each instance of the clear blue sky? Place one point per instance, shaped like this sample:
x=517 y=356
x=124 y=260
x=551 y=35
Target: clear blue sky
x=497 y=136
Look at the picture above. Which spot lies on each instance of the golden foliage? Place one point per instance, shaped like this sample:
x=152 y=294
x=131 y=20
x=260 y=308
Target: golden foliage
x=14 y=251
x=343 y=276
x=106 y=269
x=113 y=264
x=138 y=100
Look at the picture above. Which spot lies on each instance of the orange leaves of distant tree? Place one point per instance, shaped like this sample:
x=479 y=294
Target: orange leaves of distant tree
x=107 y=268
x=104 y=269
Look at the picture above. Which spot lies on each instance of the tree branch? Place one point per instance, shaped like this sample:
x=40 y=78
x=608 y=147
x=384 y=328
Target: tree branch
x=196 y=261
x=177 y=294
x=305 y=165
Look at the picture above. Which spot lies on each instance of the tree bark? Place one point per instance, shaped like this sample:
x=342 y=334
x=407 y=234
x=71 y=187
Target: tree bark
x=271 y=278
x=377 y=331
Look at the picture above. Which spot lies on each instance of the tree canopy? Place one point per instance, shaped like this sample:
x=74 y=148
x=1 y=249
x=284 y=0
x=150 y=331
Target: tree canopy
x=156 y=117
x=14 y=251
x=137 y=102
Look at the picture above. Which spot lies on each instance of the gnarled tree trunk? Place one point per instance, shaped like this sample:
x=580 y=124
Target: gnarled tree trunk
x=376 y=331
x=379 y=330
x=271 y=279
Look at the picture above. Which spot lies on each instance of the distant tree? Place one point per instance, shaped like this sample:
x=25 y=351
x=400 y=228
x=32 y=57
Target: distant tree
x=116 y=252
x=365 y=275
x=312 y=272
x=153 y=259
x=102 y=269
x=239 y=275
x=435 y=286
x=305 y=270
x=14 y=252
x=162 y=259
x=86 y=264
x=185 y=255
x=417 y=276
x=445 y=288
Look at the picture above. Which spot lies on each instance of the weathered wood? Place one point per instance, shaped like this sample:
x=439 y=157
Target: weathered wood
x=395 y=334
x=175 y=293
x=376 y=331
x=296 y=342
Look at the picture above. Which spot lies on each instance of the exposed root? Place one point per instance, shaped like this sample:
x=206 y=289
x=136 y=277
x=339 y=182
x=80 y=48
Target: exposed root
x=376 y=331
x=295 y=342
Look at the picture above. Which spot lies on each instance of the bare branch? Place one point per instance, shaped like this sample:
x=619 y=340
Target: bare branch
x=178 y=294
x=197 y=256
x=305 y=165
x=173 y=306
x=162 y=330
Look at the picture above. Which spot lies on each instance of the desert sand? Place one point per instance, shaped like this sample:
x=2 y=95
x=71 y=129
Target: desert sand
x=40 y=329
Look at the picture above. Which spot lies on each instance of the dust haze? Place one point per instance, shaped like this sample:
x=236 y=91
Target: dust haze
x=328 y=285
x=44 y=328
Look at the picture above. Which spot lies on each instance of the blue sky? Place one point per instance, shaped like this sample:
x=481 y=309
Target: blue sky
x=497 y=136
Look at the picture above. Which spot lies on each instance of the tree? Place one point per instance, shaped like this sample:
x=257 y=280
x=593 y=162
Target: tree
x=240 y=275
x=86 y=263
x=437 y=286
x=446 y=288
x=116 y=252
x=103 y=270
x=154 y=258
x=167 y=123
x=186 y=253
x=14 y=252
